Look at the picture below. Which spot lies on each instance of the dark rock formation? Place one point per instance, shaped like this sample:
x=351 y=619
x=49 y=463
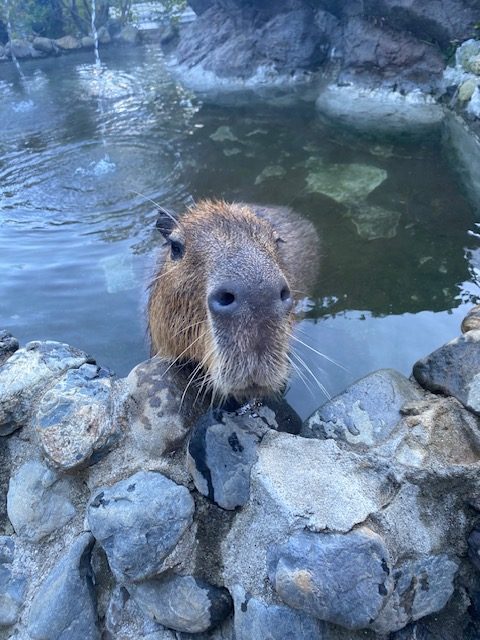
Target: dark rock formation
x=397 y=41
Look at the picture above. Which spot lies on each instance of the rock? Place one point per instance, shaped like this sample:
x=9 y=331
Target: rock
x=156 y=425
x=306 y=573
x=466 y=53
x=257 y=619
x=367 y=412
x=21 y=49
x=64 y=606
x=272 y=171
x=12 y=588
x=454 y=370
x=374 y=49
x=222 y=450
x=27 y=373
x=68 y=43
x=45 y=45
x=138 y=521
x=183 y=603
x=467 y=89
x=379 y=110
x=422 y=587
x=8 y=346
x=87 y=42
x=373 y=222
x=38 y=501
x=471 y=321
x=128 y=35
x=103 y=35
x=74 y=420
x=474 y=547
x=345 y=183
x=473 y=107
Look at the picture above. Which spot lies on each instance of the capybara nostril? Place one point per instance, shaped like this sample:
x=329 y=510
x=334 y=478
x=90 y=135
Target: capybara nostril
x=223 y=300
x=286 y=298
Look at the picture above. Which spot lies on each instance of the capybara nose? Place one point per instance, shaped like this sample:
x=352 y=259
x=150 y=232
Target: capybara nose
x=231 y=297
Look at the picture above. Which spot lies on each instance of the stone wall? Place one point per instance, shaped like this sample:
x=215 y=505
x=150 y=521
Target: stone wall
x=129 y=511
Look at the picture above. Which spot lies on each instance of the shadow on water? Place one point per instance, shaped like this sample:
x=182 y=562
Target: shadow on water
x=76 y=246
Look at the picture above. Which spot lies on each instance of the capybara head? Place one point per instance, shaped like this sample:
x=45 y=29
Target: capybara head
x=221 y=299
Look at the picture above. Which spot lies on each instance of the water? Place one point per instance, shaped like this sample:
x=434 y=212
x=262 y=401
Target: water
x=399 y=267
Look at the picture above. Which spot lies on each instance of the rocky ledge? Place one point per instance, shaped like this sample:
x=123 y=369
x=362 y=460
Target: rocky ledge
x=128 y=511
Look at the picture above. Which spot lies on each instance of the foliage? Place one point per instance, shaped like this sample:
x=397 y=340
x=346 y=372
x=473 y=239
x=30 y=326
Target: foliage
x=54 y=18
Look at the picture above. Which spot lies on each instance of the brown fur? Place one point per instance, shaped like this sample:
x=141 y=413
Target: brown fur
x=221 y=242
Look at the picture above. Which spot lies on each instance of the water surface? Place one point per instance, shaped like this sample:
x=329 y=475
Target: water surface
x=399 y=268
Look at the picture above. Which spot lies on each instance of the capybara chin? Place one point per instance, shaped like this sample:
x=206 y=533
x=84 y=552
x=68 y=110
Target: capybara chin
x=223 y=294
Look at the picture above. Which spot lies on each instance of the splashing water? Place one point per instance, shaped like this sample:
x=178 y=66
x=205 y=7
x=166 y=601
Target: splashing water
x=95 y=36
x=12 y=51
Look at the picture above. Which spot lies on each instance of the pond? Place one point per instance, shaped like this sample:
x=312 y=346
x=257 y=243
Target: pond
x=79 y=144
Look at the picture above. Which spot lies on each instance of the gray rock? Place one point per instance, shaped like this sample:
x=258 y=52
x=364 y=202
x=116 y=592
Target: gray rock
x=379 y=109
x=222 y=450
x=257 y=619
x=156 y=425
x=422 y=587
x=138 y=521
x=12 y=588
x=38 y=501
x=342 y=579
x=21 y=49
x=8 y=346
x=128 y=35
x=103 y=35
x=64 y=606
x=454 y=370
x=183 y=603
x=474 y=547
x=68 y=43
x=74 y=420
x=87 y=42
x=45 y=45
x=467 y=52
x=27 y=373
x=367 y=412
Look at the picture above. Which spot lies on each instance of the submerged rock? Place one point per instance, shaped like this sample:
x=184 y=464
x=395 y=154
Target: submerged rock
x=272 y=171
x=138 y=521
x=64 y=606
x=345 y=183
x=27 y=373
x=183 y=603
x=74 y=420
x=306 y=573
x=454 y=370
x=366 y=412
x=373 y=222
x=471 y=321
x=38 y=501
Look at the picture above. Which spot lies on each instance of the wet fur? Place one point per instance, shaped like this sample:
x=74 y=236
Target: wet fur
x=223 y=241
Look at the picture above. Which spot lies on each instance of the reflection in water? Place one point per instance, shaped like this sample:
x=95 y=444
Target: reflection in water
x=77 y=240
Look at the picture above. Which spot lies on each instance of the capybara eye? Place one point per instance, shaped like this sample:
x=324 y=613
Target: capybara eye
x=176 y=249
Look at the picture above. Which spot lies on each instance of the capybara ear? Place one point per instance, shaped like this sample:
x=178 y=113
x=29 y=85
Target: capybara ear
x=166 y=222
